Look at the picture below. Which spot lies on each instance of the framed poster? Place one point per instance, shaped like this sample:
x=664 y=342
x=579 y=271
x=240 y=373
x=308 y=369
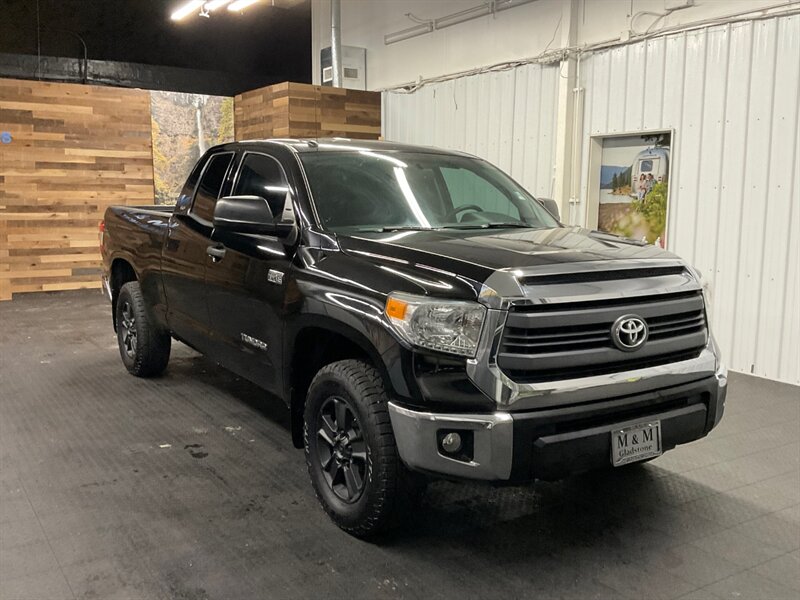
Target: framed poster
x=184 y=126
x=631 y=185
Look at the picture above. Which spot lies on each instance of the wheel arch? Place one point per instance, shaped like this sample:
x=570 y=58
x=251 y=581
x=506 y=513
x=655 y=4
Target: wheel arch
x=313 y=346
x=121 y=272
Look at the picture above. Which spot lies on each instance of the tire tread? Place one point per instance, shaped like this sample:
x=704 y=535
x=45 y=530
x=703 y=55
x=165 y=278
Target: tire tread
x=396 y=488
x=152 y=344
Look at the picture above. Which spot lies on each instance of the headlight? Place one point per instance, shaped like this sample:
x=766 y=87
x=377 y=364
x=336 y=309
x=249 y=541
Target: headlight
x=452 y=326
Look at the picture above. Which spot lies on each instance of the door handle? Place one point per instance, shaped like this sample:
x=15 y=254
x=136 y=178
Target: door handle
x=217 y=253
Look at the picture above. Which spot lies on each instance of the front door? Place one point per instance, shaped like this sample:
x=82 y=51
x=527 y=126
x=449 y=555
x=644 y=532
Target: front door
x=247 y=286
x=184 y=257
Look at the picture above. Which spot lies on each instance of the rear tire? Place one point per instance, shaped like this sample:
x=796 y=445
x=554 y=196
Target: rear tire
x=143 y=346
x=350 y=450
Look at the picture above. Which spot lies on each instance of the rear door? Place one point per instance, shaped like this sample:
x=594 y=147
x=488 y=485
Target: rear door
x=247 y=287
x=185 y=254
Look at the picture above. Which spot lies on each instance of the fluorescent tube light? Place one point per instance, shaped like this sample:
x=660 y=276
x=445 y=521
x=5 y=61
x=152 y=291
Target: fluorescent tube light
x=241 y=5
x=187 y=9
x=215 y=4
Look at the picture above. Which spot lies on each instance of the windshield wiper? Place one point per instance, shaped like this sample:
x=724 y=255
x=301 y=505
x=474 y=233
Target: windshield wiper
x=515 y=224
x=393 y=228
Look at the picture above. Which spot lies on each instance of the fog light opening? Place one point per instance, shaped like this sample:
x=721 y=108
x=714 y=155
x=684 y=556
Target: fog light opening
x=456 y=444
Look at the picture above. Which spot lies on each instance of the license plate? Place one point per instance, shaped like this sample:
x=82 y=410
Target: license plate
x=635 y=443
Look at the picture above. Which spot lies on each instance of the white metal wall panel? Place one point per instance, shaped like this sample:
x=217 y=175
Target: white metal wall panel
x=507 y=117
x=732 y=94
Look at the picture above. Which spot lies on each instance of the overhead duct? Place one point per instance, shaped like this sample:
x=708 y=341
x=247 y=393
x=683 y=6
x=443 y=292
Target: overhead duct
x=426 y=26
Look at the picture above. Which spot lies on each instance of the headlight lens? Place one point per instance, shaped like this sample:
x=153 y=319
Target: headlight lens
x=452 y=326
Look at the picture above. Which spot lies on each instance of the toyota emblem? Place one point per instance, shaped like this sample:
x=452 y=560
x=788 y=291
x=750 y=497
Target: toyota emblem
x=629 y=332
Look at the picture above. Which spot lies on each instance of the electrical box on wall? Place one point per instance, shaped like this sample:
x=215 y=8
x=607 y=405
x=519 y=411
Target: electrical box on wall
x=354 y=67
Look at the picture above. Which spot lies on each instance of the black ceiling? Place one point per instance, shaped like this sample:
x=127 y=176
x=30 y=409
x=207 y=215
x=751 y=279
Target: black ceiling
x=264 y=43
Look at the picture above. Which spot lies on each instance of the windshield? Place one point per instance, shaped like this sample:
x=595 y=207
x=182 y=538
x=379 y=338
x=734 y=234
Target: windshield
x=375 y=191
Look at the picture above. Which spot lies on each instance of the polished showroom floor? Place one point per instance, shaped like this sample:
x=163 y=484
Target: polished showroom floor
x=187 y=487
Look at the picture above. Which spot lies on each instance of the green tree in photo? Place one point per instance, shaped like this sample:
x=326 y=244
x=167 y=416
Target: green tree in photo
x=653 y=207
x=614 y=183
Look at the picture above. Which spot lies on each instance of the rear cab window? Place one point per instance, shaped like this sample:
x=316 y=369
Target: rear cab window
x=210 y=186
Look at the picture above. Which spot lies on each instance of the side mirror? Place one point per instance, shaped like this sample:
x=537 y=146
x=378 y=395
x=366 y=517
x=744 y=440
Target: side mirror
x=551 y=206
x=248 y=214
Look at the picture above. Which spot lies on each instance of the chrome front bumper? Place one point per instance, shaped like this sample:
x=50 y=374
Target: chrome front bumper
x=493 y=458
x=415 y=433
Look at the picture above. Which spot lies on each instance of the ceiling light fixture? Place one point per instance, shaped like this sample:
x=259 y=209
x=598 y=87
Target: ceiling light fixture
x=215 y=4
x=187 y=9
x=241 y=5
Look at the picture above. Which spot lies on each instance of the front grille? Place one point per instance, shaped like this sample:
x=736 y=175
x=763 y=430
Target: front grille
x=555 y=341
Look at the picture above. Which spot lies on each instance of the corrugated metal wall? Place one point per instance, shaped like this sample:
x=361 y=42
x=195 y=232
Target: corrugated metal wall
x=507 y=118
x=731 y=93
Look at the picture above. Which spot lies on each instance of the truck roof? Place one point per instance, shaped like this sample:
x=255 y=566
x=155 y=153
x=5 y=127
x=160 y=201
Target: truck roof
x=337 y=144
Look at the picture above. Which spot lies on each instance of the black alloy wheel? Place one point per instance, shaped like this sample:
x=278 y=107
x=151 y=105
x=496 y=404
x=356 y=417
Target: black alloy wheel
x=143 y=346
x=341 y=449
x=351 y=453
x=128 y=329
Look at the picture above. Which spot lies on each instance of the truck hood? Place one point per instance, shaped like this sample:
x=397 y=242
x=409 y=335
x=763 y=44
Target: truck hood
x=476 y=254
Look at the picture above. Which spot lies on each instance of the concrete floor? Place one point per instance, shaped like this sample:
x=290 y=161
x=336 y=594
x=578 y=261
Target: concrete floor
x=187 y=487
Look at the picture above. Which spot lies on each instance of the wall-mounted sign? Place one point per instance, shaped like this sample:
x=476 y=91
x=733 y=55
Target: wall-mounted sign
x=5 y=137
x=632 y=189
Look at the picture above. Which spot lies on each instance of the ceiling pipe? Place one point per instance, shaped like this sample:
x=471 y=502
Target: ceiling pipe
x=336 y=42
x=427 y=26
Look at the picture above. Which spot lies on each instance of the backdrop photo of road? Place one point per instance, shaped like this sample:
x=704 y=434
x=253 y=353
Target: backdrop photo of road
x=184 y=126
x=634 y=185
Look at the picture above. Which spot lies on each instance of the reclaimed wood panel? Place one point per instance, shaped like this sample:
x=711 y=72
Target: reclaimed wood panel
x=307 y=111
x=75 y=150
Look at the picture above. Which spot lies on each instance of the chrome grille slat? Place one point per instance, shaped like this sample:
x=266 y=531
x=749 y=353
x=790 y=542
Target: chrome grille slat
x=537 y=345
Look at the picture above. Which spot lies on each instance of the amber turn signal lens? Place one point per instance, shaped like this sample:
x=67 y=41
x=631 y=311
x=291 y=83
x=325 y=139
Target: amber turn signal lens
x=396 y=308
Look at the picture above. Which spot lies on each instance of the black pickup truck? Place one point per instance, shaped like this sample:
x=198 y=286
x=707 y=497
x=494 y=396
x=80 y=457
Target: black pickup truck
x=420 y=313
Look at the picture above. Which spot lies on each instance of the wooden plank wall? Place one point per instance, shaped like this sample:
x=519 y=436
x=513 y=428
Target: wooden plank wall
x=75 y=150
x=309 y=111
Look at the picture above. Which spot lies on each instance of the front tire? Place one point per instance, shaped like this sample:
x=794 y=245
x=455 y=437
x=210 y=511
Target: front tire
x=350 y=450
x=143 y=346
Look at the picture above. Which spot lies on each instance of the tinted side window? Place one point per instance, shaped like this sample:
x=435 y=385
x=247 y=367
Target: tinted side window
x=185 y=199
x=467 y=187
x=210 y=186
x=262 y=176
